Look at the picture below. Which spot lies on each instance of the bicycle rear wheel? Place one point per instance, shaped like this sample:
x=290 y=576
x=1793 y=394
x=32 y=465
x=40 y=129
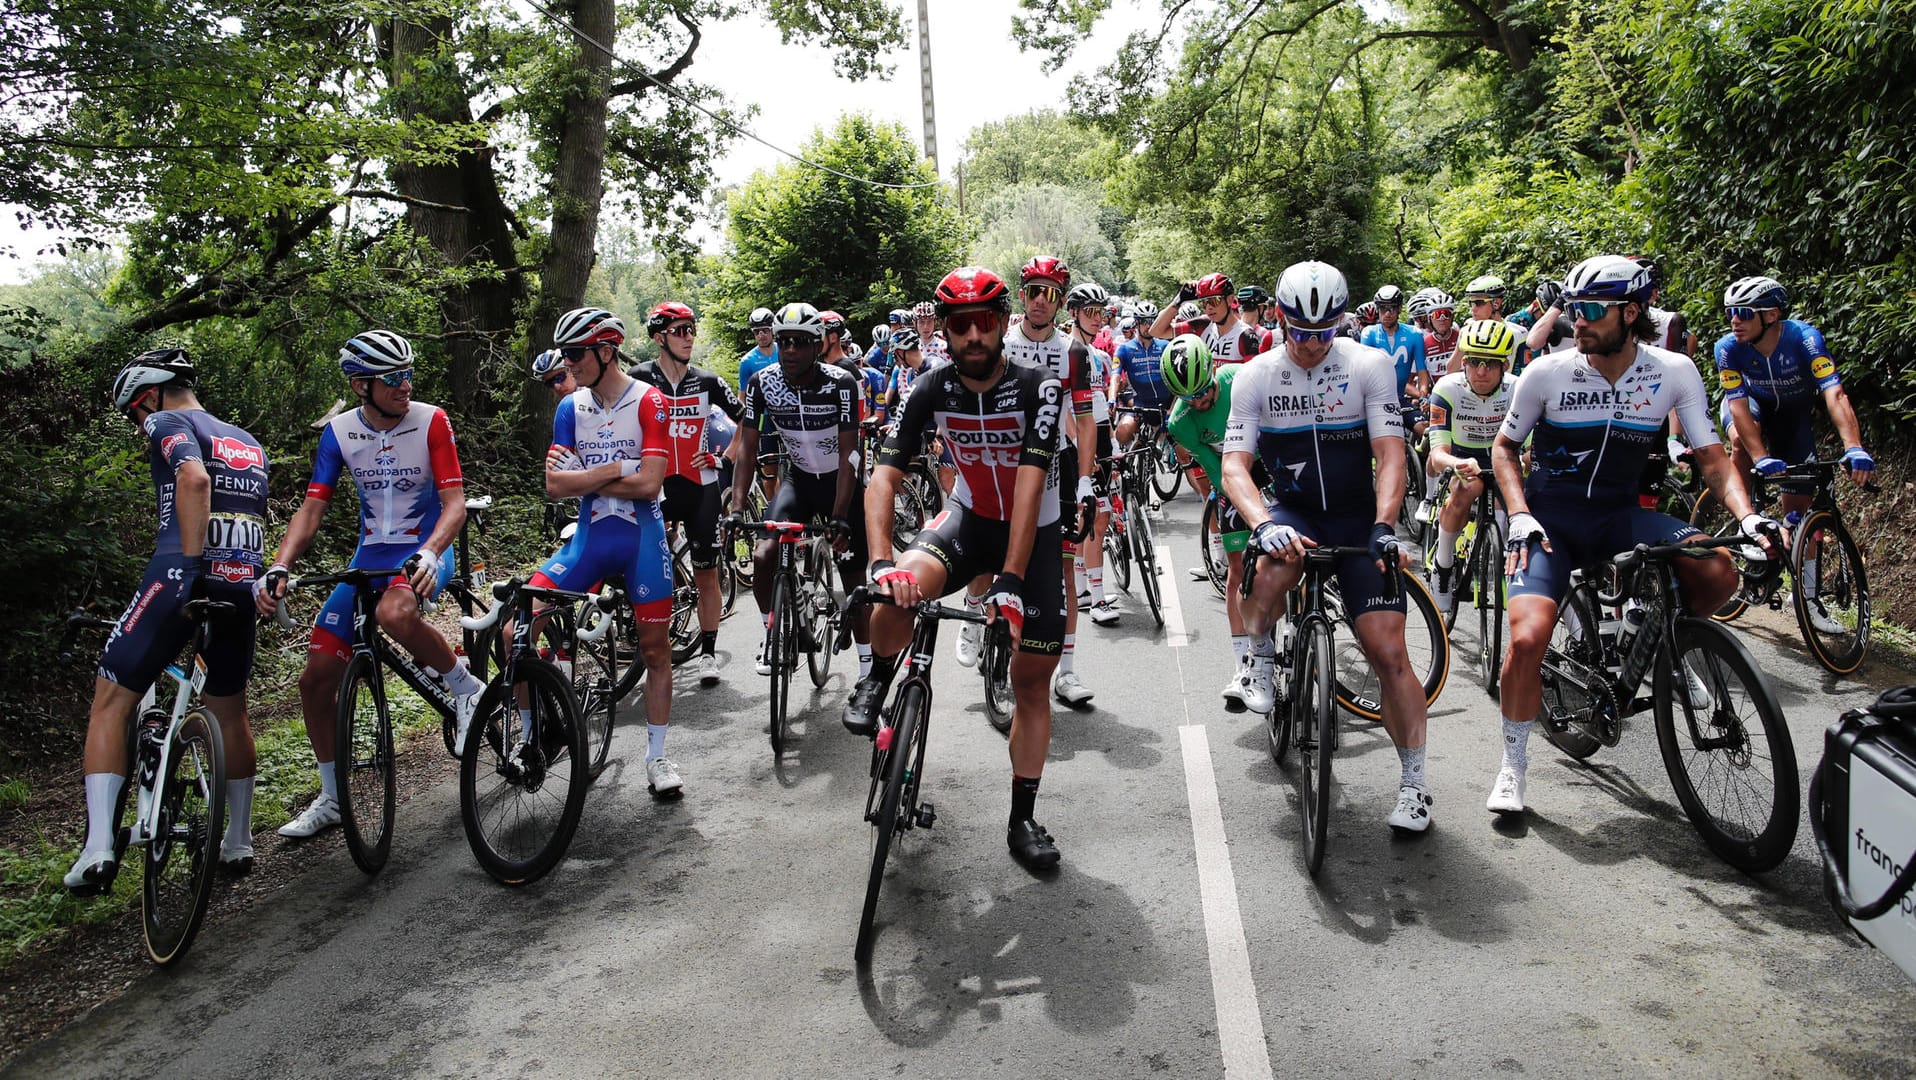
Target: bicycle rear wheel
x=1117 y=555
x=883 y=805
x=819 y=607
x=1576 y=696
x=177 y=877
x=595 y=683
x=995 y=662
x=1834 y=590
x=1426 y=642
x=1314 y=711
x=782 y=652
x=1487 y=555
x=521 y=798
x=1216 y=563
x=1726 y=747
x=1713 y=518
x=363 y=757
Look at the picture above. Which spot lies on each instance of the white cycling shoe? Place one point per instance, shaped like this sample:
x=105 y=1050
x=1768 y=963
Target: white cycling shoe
x=1821 y=620
x=1258 y=694
x=320 y=815
x=1506 y=795
x=1070 y=689
x=971 y=642
x=662 y=779
x=1412 y=812
x=93 y=872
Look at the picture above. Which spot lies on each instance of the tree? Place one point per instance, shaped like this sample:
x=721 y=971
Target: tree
x=1045 y=219
x=875 y=233
x=1039 y=147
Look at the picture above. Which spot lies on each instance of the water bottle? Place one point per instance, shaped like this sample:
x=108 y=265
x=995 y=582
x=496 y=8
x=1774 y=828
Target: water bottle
x=1632 y=622
x=1793 y=518
x=1643 y=645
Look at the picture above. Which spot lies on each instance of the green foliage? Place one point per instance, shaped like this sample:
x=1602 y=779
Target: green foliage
x=1526 y=224
x=1049 y=219
x=35 y=906
x=14 y=793
x=798 y=233
x=1039 y=147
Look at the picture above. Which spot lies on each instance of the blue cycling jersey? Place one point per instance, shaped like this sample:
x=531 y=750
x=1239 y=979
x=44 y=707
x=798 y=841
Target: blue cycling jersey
x=234 y=461
x=1794 y=375
x=1142 y=363
x=1404 y=346
x=754 y=361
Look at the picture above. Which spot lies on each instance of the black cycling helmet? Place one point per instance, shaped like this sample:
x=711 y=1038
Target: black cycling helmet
x=156 y=367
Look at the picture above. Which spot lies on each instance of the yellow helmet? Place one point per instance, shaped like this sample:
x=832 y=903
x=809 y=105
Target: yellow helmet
x=1493 y=338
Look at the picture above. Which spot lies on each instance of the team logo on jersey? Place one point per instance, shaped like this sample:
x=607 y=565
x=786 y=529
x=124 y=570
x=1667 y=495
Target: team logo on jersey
x=236 y=454
x=167 y=444
x=1730 y=378
x=387 y=456
x=1822 y=367
x=1439 y=415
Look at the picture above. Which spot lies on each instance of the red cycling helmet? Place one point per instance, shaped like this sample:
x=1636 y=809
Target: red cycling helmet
x=667 y=313
x=832 y=321
x=1045 y=268
x=970 y=286
x=1213 y=285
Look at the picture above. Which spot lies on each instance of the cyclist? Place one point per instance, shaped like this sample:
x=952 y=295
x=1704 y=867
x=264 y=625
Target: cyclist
x=1548 y=329
x=1467 y=410
x=402 y=458
x=1593 y=415
x=691 y=493
x=1231 y=339
x=1440 y=337
x=1139 y=365
x=1673 y=332
x=879 y=355
x=1318 y=412
x=549 y=370
x=1772 y=370
x=611 y=449
x=1085 y=304
x=924 y=319
x=1036 y=341
x=813 y=406
x=762 y=354
x=1255 y=303
x=1197 y=424
x=1405 y=347
x=1001 y=420
x=210 y=481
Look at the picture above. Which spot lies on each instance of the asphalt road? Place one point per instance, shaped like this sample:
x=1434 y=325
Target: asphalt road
x=713 y=936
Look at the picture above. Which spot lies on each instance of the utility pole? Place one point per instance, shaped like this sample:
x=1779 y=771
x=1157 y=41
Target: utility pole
x=924 y=73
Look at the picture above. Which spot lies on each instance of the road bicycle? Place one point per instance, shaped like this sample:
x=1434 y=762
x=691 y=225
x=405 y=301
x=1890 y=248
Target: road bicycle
x=994 y=663
x=1832 y=604
x=1305 y=710
x=805 y=612
x=1130 y=536
x=178 y=766
x=892 y=805
x=1719 y=727
x=583 y=641
x=1477 y=574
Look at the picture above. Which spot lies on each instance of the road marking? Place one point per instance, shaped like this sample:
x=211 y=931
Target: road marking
x=1168 y=594
x=1240 y=1024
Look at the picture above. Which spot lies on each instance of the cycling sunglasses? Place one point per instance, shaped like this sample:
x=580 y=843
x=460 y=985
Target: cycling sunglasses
x=1589 y=310
x=1310 y=333
x=1448 y=313
x=572 y=354
x=396 y=379
x=796 y=341
x=1201 y=393
x=1042 y=292
x=1741 y=313
x=982 y=320
x=683 y=330
x=1484 y=361
x=552 y=381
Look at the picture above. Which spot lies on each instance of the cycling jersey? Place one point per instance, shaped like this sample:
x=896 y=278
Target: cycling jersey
x=1142 y=364
x=1235 y=344
x=903 y=378
x=811 y=419
x=630 y=429
x=1795 y=375
x=1437 y=350
x=1404 y=346
x=1590 y=438
x=990 y=435
x=1102 y=378
x=873 y=383
x=754 y=361
x=1666 y=323
x=1063 y=359
x=686 y=404
x=1313 y=429
x=1201 y=434
x=1463 y=422
x=399 y=473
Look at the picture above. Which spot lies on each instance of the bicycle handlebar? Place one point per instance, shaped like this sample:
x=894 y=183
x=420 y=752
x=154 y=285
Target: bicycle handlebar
x=1329 y=553
x=930 y=609
x=1822 y=470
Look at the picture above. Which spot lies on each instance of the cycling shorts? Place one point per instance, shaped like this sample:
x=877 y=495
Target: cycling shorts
x=1788 y=434
x=1231 y=529
x=1068 y=498
x=614 y=547
x=1358 y=579
x=1104 y=441
x=769 y=447
x=697 y=505
x=154 y=629
x=804 y=496
x=333 y=631
x=969 y=545
x=1584 y=536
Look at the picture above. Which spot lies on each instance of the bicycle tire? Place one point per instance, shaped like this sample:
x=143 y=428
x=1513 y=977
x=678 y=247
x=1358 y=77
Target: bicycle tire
x=363 y=762
x=1573 y=677
x=1751 y=846
x=1314 y=709
x=1117 y=555
x=779 y=653
x=1146 y=550
x=1283 y=715
x=1217 y=564
x=819 y=611
x=1849 y=588
x=1164 y=463
x=1712 y=518
x=595 y=684
x=908 y=720
x=506 y=847
x=177 y=875
x=1425 y=639
x=995 y=663
x=1488 y=555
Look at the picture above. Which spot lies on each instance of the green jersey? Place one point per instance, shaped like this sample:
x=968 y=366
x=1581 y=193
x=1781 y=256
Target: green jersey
x=1201 y=433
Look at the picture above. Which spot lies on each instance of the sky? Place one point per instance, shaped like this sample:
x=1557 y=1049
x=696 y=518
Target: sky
x=978 y=75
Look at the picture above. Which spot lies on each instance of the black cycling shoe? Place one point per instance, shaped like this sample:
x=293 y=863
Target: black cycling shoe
x=237 y=868
x=1031 y=845
x=861 y=712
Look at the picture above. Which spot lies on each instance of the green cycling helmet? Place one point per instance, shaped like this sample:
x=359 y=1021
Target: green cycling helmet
x=1186 y=365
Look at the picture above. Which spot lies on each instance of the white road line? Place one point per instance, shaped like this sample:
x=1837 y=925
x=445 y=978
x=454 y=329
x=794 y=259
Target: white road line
x=1240 y=1025
x=1168 y=593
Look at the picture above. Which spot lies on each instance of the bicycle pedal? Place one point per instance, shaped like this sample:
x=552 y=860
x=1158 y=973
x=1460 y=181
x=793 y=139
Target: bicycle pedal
x=926 y=815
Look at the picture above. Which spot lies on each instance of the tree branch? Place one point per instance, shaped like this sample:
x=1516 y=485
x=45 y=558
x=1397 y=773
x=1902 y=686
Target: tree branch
x=1382 y=35
x=394 y=196
x=671 y=72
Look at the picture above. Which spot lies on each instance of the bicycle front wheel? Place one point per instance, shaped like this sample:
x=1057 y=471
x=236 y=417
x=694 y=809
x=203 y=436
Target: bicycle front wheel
x=363 y=757
x=523 y=778
x=1165 y=473
x=177 y=878
x=1117 y=555
x=780 y=652
x=995 y=662
x=1831 y=596
x=1726 y=747
x=1314 y=712
x=1216 y=564
x=1146 y=545
x=885 y=817
x=1426 y=643
x=1577 y=701
x=595 y=685
x=1488 y=555
x=819 y=606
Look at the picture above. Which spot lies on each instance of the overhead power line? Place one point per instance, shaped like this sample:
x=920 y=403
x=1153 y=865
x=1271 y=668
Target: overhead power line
x=740 y=129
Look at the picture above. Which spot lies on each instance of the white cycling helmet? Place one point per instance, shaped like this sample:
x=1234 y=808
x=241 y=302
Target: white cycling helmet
x=799 y=318
x=375 y=352
x=1608 y=277
x=1756 y=292
x=588 y=326
x=1312 y=293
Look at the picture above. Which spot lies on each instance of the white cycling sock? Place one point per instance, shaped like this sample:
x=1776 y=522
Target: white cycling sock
x=975 y=603
x=654 y=741
x=1807 y=581
x=1079 y=577
x=1262 y=647
x=239 y=813
x=1240 y=647
x=329 y=780
x=1070 y=651
x=102 y=790
x=525 y=724
x=1446 y=553
x=1096 y=574
x=1516 y=744
x=1412 y=760
x=461 y=681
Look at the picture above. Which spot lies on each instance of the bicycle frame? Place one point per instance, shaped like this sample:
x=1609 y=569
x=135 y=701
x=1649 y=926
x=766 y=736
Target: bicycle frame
x=186 y=689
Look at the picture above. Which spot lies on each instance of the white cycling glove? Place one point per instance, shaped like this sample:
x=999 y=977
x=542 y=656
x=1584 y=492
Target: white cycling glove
x=1523 y=529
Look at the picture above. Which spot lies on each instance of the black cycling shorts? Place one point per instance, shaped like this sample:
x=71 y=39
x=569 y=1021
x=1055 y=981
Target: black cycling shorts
x=804 y=496
x=969 y=545
x=1068 y=496
x=154 y=629
x=697 y=505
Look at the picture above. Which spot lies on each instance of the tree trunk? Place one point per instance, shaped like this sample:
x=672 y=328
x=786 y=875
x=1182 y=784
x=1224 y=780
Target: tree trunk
x=578 y=180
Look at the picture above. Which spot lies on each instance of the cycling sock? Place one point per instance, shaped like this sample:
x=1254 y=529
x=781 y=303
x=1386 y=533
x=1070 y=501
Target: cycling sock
x=1446 y=553
x=1412 y=759
x=1024 y=797
x=1082 y=580
x=864 y=659
x=461 y=681
x=1096 y=576
x=975 y=603
x=328 y=780
x=883 y=668
x=1516 y=744
x=239 y=813
x=1070 y=652
x=708 y=642
x=1807 y=580
x=1240 y=647
x=525 y=722
x=1262 y=647
x=102 y=790
x=654 y=741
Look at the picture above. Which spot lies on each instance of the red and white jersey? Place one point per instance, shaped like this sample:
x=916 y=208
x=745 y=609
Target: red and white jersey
x=1063 y=359
x=687 y=405
x=398 y=472
x=1234 y=345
